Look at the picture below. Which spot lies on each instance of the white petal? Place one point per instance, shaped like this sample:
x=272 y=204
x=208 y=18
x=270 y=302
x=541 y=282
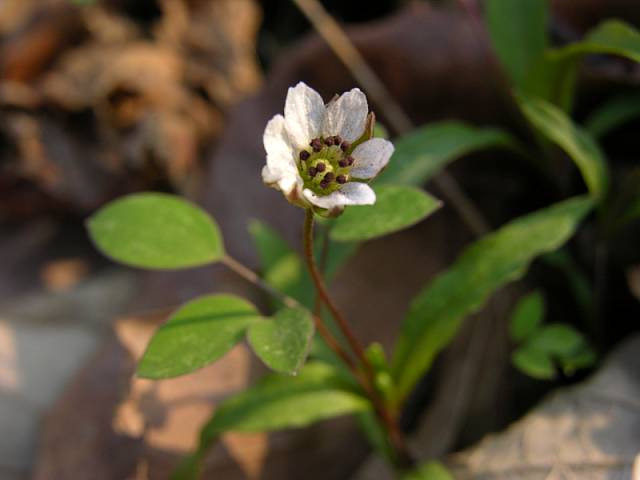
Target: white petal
x=347 y=116
x=283 y=181
x=275 y=139
x=303 y=113
x=370 y=157
x=353 y=193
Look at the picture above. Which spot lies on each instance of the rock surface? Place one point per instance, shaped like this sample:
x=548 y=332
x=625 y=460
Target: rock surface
x=590 y=432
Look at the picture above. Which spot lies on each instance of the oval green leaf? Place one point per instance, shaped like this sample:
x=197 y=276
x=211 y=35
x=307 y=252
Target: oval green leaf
x=527 y=316
x=283 y=341
x=436 y=314
x=534 y=363
x=156 y=231
x=196 y=335
x=397 y=207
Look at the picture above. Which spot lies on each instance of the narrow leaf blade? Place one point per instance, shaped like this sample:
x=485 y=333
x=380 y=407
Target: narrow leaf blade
x=555 y=125
x=156 y=231
x=196 y=335
x=435 y=315
x=518 y=31
x=612 y=37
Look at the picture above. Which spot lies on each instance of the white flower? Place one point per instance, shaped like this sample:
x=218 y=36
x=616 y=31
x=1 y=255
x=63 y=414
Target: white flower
x=321 y=156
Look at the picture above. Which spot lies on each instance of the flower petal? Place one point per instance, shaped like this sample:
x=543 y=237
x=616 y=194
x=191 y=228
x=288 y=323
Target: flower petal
x=346 y=116
x=303 y=113
x=370 y=157
x=353 y=193
x=283 y=181
x=276 y=141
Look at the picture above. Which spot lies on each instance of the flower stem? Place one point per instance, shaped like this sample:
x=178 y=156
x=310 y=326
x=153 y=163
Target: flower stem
x=402 y=458
x=323 y=293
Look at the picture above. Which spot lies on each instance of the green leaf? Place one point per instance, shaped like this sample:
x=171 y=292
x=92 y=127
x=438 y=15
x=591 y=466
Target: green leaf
x=534 y=362
x=278 y=402
x=422 y=153
x=613 y=114
x=554 y=76
x=436 y=314
x=581 y=359
x=559 y=340
x=527 y=316
x=397 y=207
x=553 y=79
x=610 y=37
x=156 y=231
x=518 y=30
x=283 y=342
x=382 y=371
x=196 y=335
x=429 y=471
x=555 y=125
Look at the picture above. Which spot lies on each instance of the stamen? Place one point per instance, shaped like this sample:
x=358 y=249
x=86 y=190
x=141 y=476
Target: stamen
x=329 y=141
x=329 y=177
x=321 y=167
x=343 y=162
x=341 y=179
x=304 y=155
x=312 y=171
x=350 y=160
x=337 y=140
x=316 y=144
x=324 y=184
x=345 y=146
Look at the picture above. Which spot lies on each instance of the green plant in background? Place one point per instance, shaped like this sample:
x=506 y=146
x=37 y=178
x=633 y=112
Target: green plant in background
x=541 y=347
x=322 y=158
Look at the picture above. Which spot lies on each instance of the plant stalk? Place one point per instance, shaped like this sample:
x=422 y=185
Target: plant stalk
x=366 y=378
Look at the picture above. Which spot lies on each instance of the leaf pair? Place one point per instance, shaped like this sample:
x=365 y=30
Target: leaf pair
x=206 y=328
x=541 y=345
x=160 y=231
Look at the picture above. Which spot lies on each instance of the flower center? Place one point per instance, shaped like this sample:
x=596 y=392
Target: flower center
x=326 y=165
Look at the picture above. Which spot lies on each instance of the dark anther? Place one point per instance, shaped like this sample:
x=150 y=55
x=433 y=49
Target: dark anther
x=320 y=167
x=329 y=141
x=350 y=160
x=329 y=177
x=324 y=184
x=343 y=162
x=312 y=171
x=341 y=179
x=345 y=146
x=337 y=140
x=304 y=155
x=316 y=144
